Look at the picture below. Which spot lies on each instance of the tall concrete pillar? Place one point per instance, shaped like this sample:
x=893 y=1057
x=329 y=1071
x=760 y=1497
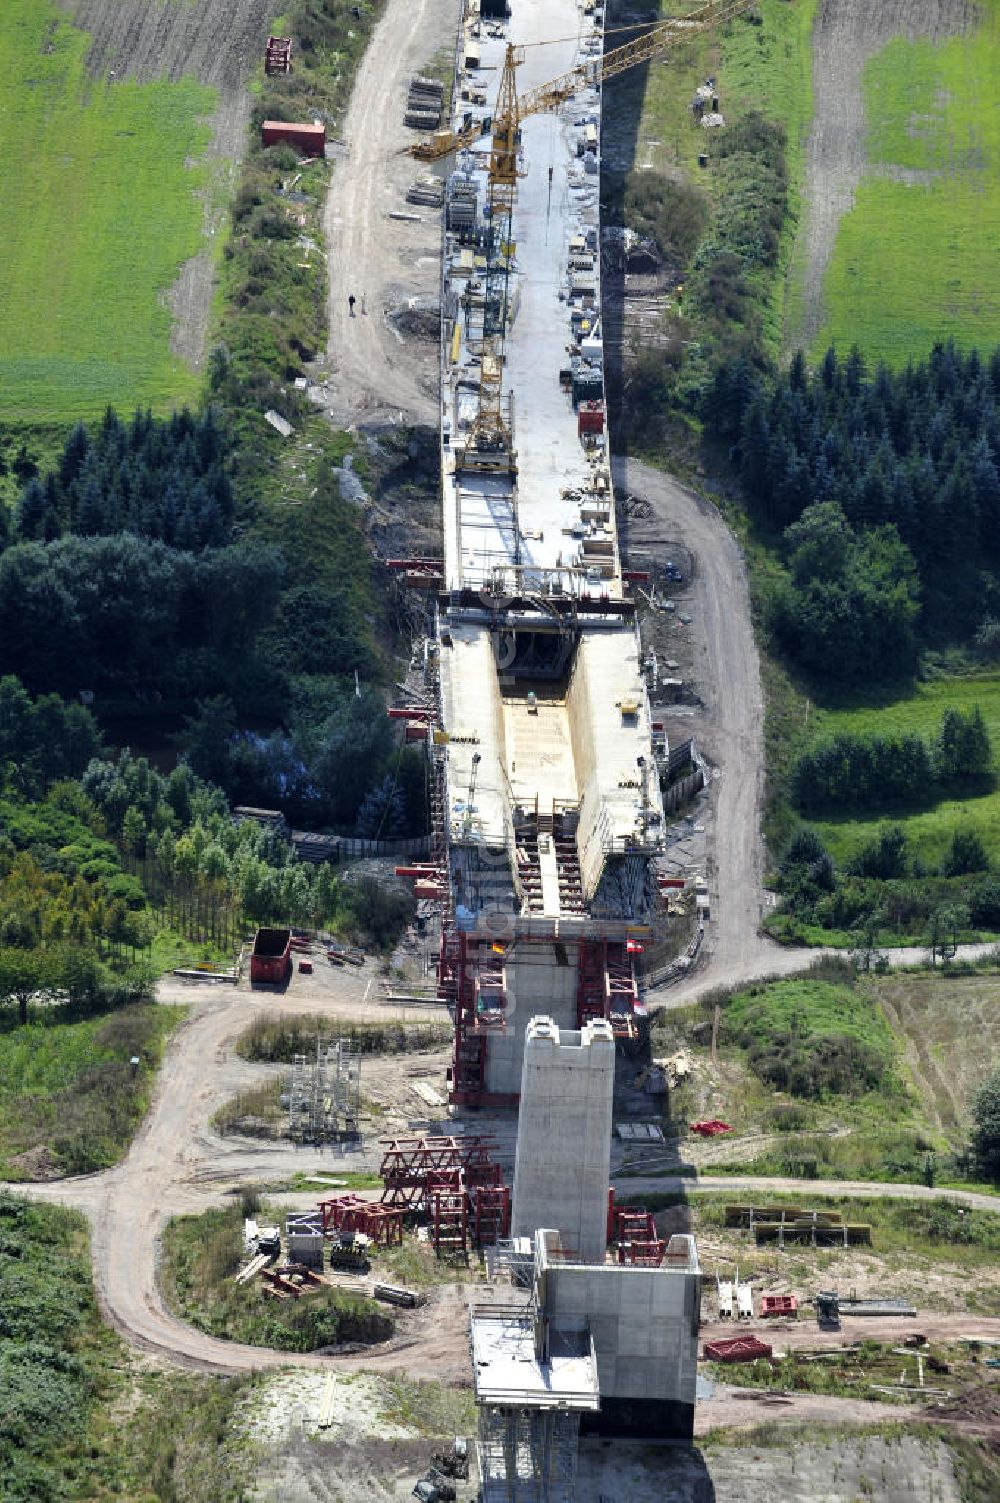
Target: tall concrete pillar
x=564 y=1136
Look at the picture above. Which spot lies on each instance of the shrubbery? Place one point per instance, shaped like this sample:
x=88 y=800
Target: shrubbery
x=811 y=1038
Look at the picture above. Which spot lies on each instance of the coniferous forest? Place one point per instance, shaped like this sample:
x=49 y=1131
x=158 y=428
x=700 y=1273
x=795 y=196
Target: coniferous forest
x=884 y=489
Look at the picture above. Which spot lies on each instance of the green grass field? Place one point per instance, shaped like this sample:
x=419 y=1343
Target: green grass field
x=68 y=1099
x=929 y=831
x=100 y=210
x=915 y=260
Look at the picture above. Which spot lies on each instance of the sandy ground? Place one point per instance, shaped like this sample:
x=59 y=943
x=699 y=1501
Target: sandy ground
x=219 y=42
x=846 y=35
x=376 y=372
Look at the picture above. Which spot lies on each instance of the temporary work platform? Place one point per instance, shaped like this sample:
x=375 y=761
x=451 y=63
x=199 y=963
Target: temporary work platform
x=324 y=1098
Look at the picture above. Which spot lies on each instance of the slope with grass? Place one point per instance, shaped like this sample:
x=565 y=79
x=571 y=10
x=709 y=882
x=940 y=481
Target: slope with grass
x=915 y=258
x=67 y=1386
x=928 y=831
x=100 y=211
x=835 y=1077
x=69 y=1098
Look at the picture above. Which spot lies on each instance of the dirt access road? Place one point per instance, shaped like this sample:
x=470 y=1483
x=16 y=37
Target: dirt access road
x=179 y=1165
x=730 y=729
x=384 y=362
x=847 y=33
x=218 y=42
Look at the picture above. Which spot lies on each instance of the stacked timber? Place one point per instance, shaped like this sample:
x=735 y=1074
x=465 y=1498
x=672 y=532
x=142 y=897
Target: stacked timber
x=424 y=103
x=428 y=191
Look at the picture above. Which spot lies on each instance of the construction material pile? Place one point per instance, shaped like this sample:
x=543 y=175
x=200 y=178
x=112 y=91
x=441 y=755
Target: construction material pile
x=424 y=103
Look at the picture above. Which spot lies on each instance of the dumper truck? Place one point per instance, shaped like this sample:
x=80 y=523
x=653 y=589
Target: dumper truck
x=271 y=957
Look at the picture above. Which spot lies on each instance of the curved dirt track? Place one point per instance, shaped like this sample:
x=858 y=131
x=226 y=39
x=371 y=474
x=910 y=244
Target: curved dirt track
x=731 y=733
x=846 y=35
x=375 y=374
x=177 y=1164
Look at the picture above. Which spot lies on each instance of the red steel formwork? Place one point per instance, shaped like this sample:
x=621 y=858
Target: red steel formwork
x=736 y=1349
x=449 y=1211
x=437 y=1173
x=278 y=55
x=349 y=1213
x=637 y=1239
x=606 y=986
x=490 y=1214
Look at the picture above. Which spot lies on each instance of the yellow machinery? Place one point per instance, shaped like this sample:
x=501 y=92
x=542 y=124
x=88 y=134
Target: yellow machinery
x=491 y=433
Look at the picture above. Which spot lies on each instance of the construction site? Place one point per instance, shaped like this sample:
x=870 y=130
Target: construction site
x=547 y=767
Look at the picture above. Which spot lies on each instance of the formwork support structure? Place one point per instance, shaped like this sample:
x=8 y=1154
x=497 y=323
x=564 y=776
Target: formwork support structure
x=324 y=1100
x=639 y=1244
x=352 y=1214
x=455 y=1181
x=606 y=986
x=528 y=1454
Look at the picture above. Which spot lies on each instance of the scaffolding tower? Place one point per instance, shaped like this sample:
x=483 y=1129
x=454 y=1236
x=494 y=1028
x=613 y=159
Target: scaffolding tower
x=324 y=1099
x=528 y=1455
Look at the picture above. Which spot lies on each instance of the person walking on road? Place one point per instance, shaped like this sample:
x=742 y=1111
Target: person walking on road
x=350 y=303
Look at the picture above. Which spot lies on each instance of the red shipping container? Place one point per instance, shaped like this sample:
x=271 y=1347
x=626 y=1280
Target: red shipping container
x=590 y=418
x=307 y=137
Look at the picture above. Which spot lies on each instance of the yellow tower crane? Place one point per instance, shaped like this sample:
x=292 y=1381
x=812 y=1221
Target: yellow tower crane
x=491 y=433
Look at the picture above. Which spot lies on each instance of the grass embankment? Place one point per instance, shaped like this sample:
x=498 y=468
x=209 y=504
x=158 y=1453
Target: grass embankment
x=200 y=1256
x=100 y=210
x=725 y=230
x=915 y=259
x=274 y=1038
x=868 y=1080
x=69 y=1102
x=928 y=831
x=76 y=1423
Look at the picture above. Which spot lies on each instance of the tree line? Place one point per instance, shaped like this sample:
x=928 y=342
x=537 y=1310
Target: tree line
x=851 y=771
x=107 y=591
x=163 y=480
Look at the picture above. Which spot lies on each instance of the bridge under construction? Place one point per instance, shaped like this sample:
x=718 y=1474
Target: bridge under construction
x=546 y=762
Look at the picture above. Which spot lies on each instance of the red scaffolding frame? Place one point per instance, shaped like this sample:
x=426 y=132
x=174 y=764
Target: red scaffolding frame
x=350 y=1213
x=639 y=1244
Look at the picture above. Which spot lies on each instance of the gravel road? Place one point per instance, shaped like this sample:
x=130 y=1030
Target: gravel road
x=377 y=372
x=730 y=731
x=177 y=1164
